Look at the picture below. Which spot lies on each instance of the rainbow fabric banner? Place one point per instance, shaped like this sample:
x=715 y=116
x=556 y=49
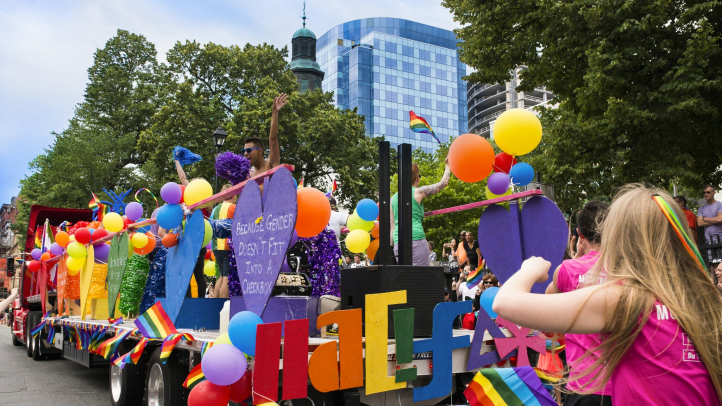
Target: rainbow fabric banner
x=110 y=347
x=507 y=387
x=206 y=346
x=474 y=278
x=170 y=342
x=419 y=125
x=134 y=354
x=194 y=377
x=155 y=323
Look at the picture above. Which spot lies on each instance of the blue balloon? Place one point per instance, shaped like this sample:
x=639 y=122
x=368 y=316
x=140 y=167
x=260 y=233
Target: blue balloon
x=242 y=331
x=169 y=216
x=144 y=229
x=367 y=210
x=487 y=299
x=521 y=174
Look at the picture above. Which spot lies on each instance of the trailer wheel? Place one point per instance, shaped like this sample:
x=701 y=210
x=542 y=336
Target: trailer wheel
x=126 y=385
x=165 y=381
x=31 y=321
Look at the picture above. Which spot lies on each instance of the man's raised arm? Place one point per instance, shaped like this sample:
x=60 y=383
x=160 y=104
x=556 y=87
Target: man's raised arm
x=274 y=158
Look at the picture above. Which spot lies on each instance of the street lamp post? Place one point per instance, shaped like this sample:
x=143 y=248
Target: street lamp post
x=219 y=138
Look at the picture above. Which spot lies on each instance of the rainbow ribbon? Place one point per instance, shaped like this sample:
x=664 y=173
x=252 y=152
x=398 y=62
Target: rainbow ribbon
x=151 y=193
x=679 y=229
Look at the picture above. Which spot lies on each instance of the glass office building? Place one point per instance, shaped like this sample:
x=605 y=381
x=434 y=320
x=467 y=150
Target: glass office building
x=388 y=66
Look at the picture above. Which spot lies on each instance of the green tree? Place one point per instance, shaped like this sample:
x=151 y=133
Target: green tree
x=234 y=88
x=637 y=85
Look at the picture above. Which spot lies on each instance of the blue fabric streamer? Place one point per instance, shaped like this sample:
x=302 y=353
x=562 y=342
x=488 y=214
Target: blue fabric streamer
x=221 y=228
x=185 y=156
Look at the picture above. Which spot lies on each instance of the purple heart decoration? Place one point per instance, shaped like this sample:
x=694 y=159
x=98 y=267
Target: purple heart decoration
x=180 y=262
x=262 y=231
x=507 y=238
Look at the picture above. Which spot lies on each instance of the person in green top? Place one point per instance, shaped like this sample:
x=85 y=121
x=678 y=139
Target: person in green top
x=225 y=210
x=420 y=248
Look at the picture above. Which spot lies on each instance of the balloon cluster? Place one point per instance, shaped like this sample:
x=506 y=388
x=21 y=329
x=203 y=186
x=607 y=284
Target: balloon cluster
x=225 y=365
x=361 y=227
x=143 y=243
x=471 y=157
x=170 y=215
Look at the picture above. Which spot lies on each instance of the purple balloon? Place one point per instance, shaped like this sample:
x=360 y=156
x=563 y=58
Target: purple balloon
x=223 y=364
x=498 y=183
x=134 y=211
x=171 y=192
x=101 y=252
x=210 y=245
x=36 y=253
x=56 y=249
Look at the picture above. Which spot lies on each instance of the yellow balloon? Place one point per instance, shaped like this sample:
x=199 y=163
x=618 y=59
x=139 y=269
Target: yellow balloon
x=517 y=131
x=113 y=222
x=74 y=265
x=223 y=339
x=490 y=195
x=357 y=223
x=210 y=268
x=77 y=250
x=196 y=191
x=208 y=233
x=139 y=240
x=357 y=241
x=269 y=404
x=72 y=238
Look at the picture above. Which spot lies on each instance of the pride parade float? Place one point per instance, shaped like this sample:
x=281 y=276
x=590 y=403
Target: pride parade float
x=94 y=297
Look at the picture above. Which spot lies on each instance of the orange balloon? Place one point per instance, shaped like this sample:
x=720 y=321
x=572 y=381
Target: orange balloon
x=375 y=231
x=471 y=158
x=314 y=212
x=461 y=254
x=169 y=240
x=148 y=247
x=62 y=238
x=371 y=250
x=45 y=256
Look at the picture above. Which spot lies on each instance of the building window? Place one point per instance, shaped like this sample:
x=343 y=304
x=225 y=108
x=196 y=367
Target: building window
x=441 y=58
x=304 y=49
x=304 y=86
x=424 y=70
x=425 y=55
x=408 y=67
x=295 y=50
x=424 y=86
x=389 y=46
x=408 y=51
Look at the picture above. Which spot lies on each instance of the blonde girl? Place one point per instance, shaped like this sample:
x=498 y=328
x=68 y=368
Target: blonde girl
x=659 y=315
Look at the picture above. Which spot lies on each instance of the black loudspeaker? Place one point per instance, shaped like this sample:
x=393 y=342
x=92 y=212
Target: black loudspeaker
x=424 y=286
x=10 y=266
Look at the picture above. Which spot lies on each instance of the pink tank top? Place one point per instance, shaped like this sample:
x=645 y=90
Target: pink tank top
x=572 y=275
x=662 y=367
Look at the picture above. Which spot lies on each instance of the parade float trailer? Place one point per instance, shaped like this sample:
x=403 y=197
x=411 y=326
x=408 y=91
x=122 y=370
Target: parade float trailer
x=395 y=338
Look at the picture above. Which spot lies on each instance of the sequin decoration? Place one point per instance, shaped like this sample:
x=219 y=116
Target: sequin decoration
x=133 y=285
x=97 y=282
x=155 y=285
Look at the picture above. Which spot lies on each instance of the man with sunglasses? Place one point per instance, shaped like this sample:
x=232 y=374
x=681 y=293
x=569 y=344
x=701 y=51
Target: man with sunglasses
x=253 y=148
x=709 y=215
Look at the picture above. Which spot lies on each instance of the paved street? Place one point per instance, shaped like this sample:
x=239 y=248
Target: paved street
x=48 y=383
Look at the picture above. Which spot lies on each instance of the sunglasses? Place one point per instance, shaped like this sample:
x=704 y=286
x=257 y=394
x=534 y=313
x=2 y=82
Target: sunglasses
x=708 y=193
x=248 y=150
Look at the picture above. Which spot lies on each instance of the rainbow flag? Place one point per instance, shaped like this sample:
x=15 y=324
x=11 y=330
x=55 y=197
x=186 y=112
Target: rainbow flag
x=134 y=354
x=419 y=125
x=206 y=346
x=333 y=189
x=300 y=184
x=507 y=387
x=109 y=347
x=155 y=323
x=474 y=278
x=40 y=326
x=170 y=342
x=545 y=376
x=194 y=377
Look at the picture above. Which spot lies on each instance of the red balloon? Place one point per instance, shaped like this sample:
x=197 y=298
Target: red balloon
x=208 y=254
x=82 y=235
x=169 y=240
x=503 y=162
x=183 y=192
x=208 y=394
x=241 y=390
x=34 y=266
x=99 y=233
x=127 y=222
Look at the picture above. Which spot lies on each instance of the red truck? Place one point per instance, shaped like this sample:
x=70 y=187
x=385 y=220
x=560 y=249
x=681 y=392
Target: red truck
x=27 y=308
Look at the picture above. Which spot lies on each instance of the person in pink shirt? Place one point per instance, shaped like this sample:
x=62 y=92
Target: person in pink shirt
x=658 y=314
x=569 y=276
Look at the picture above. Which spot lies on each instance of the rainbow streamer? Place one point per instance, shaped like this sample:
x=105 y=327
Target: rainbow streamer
x=194 y=377
x=155 y=323
x=110 y=347
x=170 y=342
x=507 y=387
x=419 y=125
x=679 y=230
x=547 y=377
x=206 y=346
x=40 y=325
x=134 y=354
x=151 y=193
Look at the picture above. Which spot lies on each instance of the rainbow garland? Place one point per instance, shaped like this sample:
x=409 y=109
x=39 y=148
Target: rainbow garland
x=170 y=342
x=206 y=346
x=679 y=229
x=194 y=377
x=134 y=355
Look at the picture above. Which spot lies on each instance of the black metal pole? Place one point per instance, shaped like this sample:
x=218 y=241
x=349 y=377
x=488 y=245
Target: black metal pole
x=218 y=150
x=405 y=205
x=384 y=252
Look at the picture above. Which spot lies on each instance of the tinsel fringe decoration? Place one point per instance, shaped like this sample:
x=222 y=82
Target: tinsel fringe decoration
x=133 y=285
x=72 y=287
x=97 y=282
x=185 y=156
x=155 y=286
x=234 y=282
x=233 y=167
x=323 y=256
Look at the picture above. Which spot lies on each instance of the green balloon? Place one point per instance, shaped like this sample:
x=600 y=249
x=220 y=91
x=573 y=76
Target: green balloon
x=208 y=234
x=357 y=223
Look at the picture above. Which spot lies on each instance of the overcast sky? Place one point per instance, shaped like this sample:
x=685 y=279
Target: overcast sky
x=47 y=47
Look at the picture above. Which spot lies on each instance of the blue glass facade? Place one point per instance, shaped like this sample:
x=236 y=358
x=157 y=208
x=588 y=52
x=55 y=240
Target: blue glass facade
x=388 y=66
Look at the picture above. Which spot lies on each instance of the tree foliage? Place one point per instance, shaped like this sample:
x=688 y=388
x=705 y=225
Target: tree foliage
x=637 y=85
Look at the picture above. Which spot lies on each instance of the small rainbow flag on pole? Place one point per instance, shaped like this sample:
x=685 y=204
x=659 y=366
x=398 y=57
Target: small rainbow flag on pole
x=474 y=278
x=419 y=125
x=194 y=377
x=333 y=189
x=155 y=323
x=509 y=387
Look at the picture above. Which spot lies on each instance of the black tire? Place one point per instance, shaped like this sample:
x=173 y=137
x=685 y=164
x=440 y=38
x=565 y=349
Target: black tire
x=31 y=321
x=172 y=373
x=39 y=351
x=127 y=384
